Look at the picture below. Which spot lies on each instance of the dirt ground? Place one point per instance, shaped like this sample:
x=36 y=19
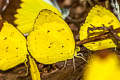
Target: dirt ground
x=78 y=12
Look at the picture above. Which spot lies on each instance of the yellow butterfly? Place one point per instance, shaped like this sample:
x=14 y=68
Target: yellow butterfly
x=28 y=12
x=98 y=17
x=103 y=66
x=51 y=40
x=13 y=50
x=63 y=46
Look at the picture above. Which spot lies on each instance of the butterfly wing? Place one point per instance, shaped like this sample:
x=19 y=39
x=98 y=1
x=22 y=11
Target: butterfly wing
x=51 y=40
x=28 y=12
x=33 y=69
x=107 y=65
x=12 y=47
x=97 y=17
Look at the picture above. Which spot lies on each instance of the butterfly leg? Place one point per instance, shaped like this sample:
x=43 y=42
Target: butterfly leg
x=65 y=64
x=74 y=63
x=79 y=55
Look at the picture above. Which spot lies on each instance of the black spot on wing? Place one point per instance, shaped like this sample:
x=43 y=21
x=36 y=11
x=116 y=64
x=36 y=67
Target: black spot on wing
x=48 y=31
x=49 y=46
x=58 y=30
x=62 y=46
x=17 y=56
x=68 y=39
x=98 y=14
x=7 y=49
x=5 y=38
x=93 y=43
x=61 y=30
x=61 y=53
x=35 y=38
x=110 y=22
x=98 y=11
x=17 y=48
x=51 y=43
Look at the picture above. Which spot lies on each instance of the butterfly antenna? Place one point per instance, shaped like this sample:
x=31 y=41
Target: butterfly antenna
x=65 y=64
x=115 y=48
x=80 y=55
x=74 y=63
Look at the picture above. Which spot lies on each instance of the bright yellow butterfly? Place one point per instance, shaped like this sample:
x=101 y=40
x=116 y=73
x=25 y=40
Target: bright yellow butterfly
x=97 y=17
x=104 y=66
x=51 y=40
x=28 y=12
x=13 y=50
